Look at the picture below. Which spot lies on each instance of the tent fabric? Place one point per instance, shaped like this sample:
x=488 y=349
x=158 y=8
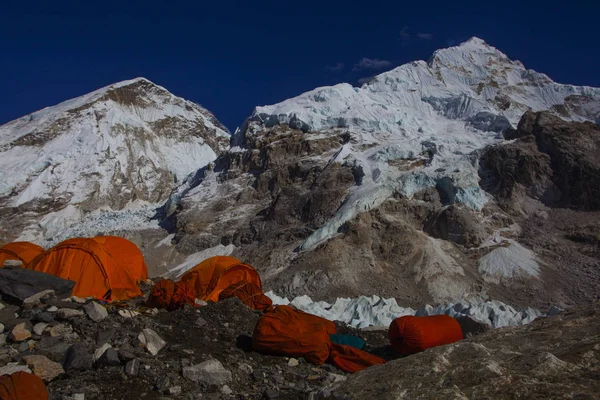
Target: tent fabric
x=250 y=294
x=409 y=334
x=22 y=251
x=127 y=254
x=184 y=294
x=161 y=294
x=351 y=359
x=293 y=333
x=91 y=266
x=213 y=275
x=22 y=386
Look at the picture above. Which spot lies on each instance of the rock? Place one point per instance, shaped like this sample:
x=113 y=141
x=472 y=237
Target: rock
x=43 y=367
x=128 y=313
x=201 y=303
x=52 y=309
x=35 y=299
x=38 y=328
x=20 y=333
x=110 y=358
x=1 y=328
x=25 y=346
x=11 y=368
x=210 y=372
x=200 y=322
x=162 y=383
x=42 y=316
x=77 y=396
x=175 y=390
x=246 y=368
x=24 y=283
x=271 y=394
x=78 y=300
x=226 y=390
x=78 y=358
x=132 y=367
x=292 y=362
x=100 y=351
x=13 y=264
x=3 y=338
x=104 y=337
x=60 y=330
x=151 y=341
x=69 y=313
x=125 y=355
x=8 y=314
x=57 y=353
x=95 y=311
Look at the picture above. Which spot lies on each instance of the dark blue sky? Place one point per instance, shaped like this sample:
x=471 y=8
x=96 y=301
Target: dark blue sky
x=230 y=56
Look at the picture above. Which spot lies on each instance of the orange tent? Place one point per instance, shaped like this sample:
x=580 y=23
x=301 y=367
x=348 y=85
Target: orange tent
x=209 y=278
x=351 y=359
x=23 y=251
x=94 y=270
x=127 y=254
x=409 y=335
x=22 y=386
x=250 y=294
x=161 y=294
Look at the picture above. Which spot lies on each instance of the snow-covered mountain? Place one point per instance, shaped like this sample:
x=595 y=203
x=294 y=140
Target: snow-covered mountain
x=435 y=114
x=126 y=144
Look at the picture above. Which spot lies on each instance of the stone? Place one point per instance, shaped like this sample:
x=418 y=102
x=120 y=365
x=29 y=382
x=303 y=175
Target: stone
x=77 y=396
x=271 y=394
x=78 y=300
x=174 y=390
x=78 y=358
x=38 y=328
x=132 y=367
x=20 y=333
x=125 y=355
x=43 y=367
x=210 y=372
x=12 y=264
x=60 y=330
x=69 y=313
x=128 y=313
x=42 y=316
x=95 y=311
x=200 y=302
x=100 y=351
x=24 y=346
x=151 y=341
x=35 y=299
x=246 y=368
x=110 y=358
x=200 y=321
x=52 y=309
x=226 y=390
x=104 y=336
x=23 y=283
x=11 y=368
x=3 y=338
x=57 y=353
x=8 y=314
x=1 y=328
x=292 y=362
x=162 y=383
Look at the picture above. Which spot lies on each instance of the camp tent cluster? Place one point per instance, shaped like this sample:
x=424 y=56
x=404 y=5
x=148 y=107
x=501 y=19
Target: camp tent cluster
x=110 y=268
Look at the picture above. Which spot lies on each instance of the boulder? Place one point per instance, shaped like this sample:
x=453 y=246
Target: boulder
x=38 y=328
x=24 y=283
x=151 y=341
x=60 y=330
x=100 y=351
x=78 y=358
x=95 y=311
x=20 y=333
x=210 y=372
x=11 y=368
x=132 y=367
x=110 y=358
x=68 y=313
x=35 y=299
x=43 y=367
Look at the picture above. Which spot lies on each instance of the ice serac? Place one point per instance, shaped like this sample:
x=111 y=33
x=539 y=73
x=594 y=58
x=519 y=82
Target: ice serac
x=130 y=142
x=435 y=115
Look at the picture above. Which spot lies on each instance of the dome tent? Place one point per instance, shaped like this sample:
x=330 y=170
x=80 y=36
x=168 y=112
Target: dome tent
x=127 y=254
x=22 y=251
x=95 y=270
x=213 y=275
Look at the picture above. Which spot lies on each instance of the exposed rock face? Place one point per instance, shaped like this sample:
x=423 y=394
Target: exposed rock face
x=553 y=357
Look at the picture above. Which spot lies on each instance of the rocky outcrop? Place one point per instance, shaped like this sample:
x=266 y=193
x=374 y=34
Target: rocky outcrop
x=553 y=357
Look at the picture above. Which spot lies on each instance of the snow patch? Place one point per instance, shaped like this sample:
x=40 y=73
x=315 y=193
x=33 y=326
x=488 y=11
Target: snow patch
x=509 y=261
x=192 y=260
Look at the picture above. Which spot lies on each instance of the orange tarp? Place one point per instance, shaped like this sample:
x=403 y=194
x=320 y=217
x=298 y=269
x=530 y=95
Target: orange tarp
x=23 y=251
x=184 y=293
x=127 y=254
x=351 y=359
x=209 y=278
x=409 y=335
x=250 y=294
x=22 y=386
x=94 y=270
x=293 y=333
